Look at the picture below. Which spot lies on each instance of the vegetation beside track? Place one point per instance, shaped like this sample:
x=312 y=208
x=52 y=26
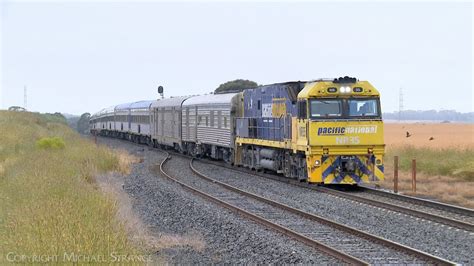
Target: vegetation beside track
x=444 y=154
x=455 y=162
x=445 y=174
x=50 y=203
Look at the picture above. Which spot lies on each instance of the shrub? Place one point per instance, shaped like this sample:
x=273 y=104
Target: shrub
x=51 y=143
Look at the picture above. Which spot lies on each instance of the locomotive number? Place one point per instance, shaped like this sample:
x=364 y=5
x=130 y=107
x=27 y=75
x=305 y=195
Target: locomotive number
x=347 y=140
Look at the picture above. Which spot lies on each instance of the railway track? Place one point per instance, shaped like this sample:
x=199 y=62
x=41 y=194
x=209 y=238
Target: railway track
x=444 y=214
x=457 y=213
x=345 y=243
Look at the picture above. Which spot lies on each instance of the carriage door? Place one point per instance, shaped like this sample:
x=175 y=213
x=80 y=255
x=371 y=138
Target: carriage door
x=156 y=121
x=162 y=121
x=173 y=121
x=196 y=124
x=186 y=122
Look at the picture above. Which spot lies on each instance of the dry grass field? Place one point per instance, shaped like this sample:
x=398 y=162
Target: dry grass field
x=445 y=135
x=50 y=206
x=445 y=163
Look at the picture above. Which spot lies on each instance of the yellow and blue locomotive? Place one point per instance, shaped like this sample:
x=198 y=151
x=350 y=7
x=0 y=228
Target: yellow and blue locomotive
x=322 y=131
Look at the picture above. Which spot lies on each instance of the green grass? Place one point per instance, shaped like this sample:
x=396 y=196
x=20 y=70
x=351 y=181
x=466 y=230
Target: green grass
x=448 y=162
x=50 y=204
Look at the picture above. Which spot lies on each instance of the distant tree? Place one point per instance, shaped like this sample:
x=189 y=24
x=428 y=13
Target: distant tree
x=16 y=109
x=83 y=123
x=443 y=115
x=55 y=118
x=60 y=116
x=72 y=120
x=235 y=86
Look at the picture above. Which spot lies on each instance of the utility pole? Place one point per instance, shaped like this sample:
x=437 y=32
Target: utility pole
x=400 y=104
x=25 y=98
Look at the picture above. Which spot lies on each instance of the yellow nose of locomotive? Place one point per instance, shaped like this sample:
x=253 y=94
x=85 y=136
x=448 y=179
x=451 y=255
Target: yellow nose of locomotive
x=343 y=132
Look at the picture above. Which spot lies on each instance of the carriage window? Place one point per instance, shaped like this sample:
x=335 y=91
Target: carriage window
x=212 y=119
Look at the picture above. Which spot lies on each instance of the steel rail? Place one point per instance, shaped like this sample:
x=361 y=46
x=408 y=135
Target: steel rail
x=379 y=204
x=351 y=230
x=425 y=202
x=397 y=208
x=286 y=231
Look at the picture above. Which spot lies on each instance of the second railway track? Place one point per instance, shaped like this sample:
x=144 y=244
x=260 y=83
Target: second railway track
x=461 y=215
x=346 y=243
x=456 y=217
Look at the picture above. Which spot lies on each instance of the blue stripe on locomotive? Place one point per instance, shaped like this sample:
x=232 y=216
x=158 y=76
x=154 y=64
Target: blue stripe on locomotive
x=265 y=125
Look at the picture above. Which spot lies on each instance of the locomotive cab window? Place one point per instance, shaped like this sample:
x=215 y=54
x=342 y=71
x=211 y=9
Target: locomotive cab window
x=363 y=107
x=325 y=108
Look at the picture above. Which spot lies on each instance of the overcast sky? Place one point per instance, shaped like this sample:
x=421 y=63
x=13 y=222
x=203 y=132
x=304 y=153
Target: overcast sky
x=81 y=57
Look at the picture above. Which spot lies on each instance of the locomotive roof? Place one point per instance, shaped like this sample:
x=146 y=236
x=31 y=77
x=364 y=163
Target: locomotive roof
x=319 y=88
x=169 y=102
x=210 y=99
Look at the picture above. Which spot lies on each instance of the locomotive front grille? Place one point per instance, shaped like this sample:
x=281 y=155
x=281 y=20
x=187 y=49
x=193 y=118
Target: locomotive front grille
x=348 y=164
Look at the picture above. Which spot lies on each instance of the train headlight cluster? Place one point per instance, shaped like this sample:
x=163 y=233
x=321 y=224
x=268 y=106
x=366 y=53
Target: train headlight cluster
x=345 y=89
x=317 y=163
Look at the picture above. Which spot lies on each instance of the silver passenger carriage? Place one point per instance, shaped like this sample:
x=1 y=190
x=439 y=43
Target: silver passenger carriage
x=102 y=120
x=132 y=121
x=166 y=122
x=140 y=118
x=122 y=115
x=208 y=125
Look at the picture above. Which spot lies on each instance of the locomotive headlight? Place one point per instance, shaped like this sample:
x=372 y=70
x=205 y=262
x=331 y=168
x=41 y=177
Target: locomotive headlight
x=345 y=89
x=317 y=163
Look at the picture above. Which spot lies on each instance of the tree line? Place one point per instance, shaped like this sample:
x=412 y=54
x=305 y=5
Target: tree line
x=443 y=115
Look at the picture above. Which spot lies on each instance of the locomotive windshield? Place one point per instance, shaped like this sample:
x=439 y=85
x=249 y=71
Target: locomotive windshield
x=361 y=108
x=326 y=108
